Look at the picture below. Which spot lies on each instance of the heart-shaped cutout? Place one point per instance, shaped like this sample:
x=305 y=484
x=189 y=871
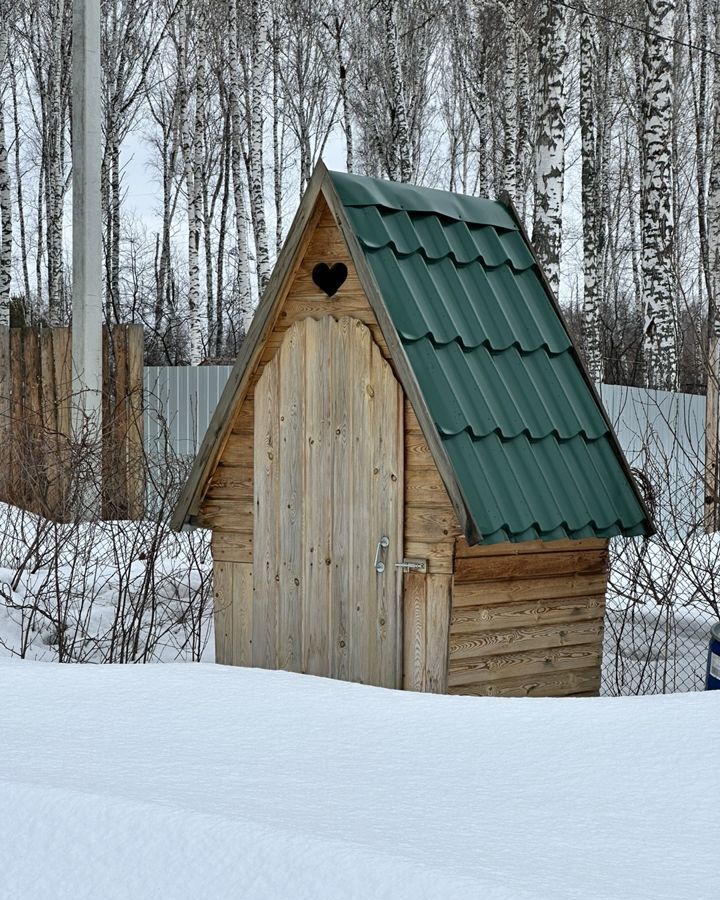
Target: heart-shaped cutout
x=330 y=278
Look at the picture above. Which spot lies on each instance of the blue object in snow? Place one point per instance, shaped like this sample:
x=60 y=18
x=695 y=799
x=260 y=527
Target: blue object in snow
x=712 y=679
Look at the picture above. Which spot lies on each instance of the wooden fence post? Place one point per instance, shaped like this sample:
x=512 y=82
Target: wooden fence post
x=5 y=431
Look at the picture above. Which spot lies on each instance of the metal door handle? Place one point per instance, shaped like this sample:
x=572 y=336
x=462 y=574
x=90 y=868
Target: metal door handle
x=383 y=544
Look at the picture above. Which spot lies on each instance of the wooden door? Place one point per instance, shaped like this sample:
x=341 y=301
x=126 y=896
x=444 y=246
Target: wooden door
x=328 y=456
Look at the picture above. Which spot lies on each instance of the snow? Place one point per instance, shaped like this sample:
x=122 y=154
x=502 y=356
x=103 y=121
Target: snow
x=188 y=780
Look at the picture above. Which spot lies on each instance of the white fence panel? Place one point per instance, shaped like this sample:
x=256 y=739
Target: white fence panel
x=179 y=403
x=662 y=434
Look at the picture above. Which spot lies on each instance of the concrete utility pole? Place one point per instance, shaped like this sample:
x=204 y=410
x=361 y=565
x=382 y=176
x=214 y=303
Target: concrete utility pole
x=87 y=241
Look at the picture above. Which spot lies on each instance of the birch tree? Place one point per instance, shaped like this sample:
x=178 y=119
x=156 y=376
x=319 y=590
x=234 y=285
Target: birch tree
x=259 y=65
x=188 y=132
x=550 y=147
x=242 y=275
x=588 y=131
x=660 y=343
x=510 y=148
x=5 y=187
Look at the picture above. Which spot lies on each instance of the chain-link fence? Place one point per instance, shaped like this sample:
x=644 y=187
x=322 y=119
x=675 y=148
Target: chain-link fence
x=664 y=592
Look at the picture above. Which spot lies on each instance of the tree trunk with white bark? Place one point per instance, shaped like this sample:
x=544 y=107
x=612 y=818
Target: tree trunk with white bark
x=550 y=148
x=588 y=131
x=5 y=189
x=660 y=341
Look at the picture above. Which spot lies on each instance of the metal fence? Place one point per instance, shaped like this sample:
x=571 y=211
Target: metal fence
x=179 y=403
x=663 y=593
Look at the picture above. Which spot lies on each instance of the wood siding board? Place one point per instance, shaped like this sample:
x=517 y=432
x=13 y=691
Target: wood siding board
x=386 y=512
x=519 y=639
x=342 y=507
x=242 y=612
x=576 y=683
x=265 y=549
x=529 y=565
x=318 y=505
x=438 y=599
x=363 y=543
x=293 y=499
x=492 y=592
x=414 y=631
x=224 y=602
x=469 y=620
x=232 y=546
x=528 y=662
x=463 y=549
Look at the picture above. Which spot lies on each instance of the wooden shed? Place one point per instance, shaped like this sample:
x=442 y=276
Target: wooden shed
x=410 y=479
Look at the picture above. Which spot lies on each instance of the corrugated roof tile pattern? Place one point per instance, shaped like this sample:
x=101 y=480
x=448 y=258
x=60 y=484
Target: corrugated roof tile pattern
x=531 y=450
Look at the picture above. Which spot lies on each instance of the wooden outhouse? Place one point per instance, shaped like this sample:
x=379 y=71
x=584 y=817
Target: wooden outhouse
x=409 y=478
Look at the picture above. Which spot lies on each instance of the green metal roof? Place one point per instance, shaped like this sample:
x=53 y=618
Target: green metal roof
x=531 y=449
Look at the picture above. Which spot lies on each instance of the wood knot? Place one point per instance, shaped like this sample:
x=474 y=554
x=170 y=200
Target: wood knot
x=370 y=390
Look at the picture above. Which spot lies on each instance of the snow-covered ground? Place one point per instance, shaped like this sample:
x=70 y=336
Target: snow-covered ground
x=195 y=781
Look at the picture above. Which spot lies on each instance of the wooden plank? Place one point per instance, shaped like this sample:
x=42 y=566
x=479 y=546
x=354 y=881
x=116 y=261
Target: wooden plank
x=462 y=549
x=502 y=591
x=265 y=548
x=135 y=478
x=343 y=433
x=430 y=524
x=318 y=508
x=17 y=417
x=118 y=489
x=528 y=662
x=231 y=483
x=438 y=599
x=227 y=515
x=362 y=542
x=50 y=421
x=581 y=682
x=414 y=630
x=5 y=428
x=385 y=431
x=529 y=565
x=232 y=547
x=34 y=457
x=292 y=500
x=62 y=362
x=242 y=610
x=518 y=639
x=417 y=452
x=223 y=611
x=238 y=451
x=424 y=487
x=470 y=620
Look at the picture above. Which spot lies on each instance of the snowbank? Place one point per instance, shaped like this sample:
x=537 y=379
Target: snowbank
x=205 y=781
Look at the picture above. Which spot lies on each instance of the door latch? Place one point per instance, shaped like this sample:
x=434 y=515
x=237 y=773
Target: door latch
x=413 y=565
x=383 y=544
